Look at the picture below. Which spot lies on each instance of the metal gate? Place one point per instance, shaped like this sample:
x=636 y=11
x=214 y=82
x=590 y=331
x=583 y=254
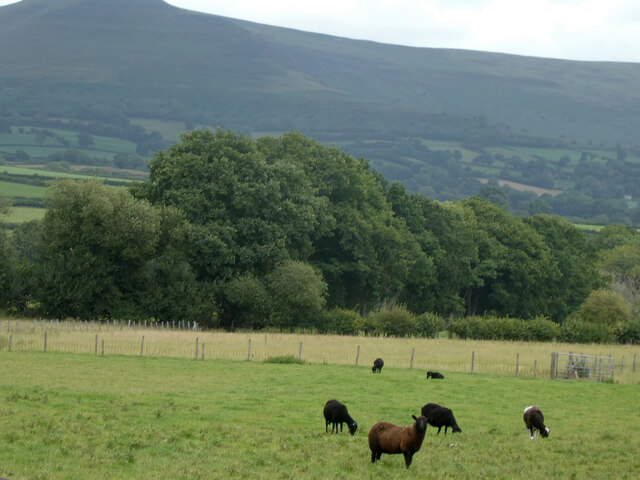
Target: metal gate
x=574 y=366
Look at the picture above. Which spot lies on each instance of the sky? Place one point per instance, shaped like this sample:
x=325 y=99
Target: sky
x=599 y=30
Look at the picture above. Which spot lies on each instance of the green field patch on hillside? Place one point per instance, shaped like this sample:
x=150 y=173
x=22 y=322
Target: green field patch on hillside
x=19 y=215
x=21 y=190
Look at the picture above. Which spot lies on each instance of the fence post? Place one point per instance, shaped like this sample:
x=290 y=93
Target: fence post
x=634 y=362
x=517 y=364
x=357 y=355
x=473 y=360
x=96 y=344
x=197 y=341
x=142 y=346
x=300 y=352
x=10 y=341
x=202 y=350
x=45 y=341
x=249 y=354
x=535 y=368
x=413 y=353
x=103 y=347
x=622 y=364
x=554 y=361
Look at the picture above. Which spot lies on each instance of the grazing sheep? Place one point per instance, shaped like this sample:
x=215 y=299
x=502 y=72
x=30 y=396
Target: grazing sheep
x=439 y=416
x=386 y=437
x=434 y=375
x=378 y=363
x=335 y=413
x=534 y=420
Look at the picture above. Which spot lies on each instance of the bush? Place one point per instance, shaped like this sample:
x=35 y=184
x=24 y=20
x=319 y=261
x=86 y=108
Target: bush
x=542 y=329
x=628 y=332
x=430 y=324
x=396 y=321
x=285 y=359
x=340 y=321
x=576 y=330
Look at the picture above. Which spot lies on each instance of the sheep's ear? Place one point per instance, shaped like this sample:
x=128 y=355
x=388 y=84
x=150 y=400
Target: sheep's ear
x=415 y=418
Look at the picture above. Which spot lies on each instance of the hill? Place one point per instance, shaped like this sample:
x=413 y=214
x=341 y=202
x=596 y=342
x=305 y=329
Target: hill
x=436 y=119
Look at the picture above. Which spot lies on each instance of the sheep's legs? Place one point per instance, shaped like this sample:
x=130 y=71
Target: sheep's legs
x=408 y=456
x=375 y=455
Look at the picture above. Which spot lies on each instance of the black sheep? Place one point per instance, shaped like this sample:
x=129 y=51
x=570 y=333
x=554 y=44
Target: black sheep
x=335 y=413
x=534 y=420
x=386 y=437
x=434 y=375
x=378 y=363
x=438 y=416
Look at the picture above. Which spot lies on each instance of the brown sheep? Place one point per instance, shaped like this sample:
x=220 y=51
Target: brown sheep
x=388 y=438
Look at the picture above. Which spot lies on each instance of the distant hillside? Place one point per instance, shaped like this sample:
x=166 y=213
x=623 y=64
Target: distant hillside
x=112 y=68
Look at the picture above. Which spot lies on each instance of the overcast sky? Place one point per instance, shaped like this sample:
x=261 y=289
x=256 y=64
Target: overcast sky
x=570 y=29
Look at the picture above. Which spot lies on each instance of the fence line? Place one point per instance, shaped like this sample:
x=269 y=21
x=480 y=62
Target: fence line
x=173 y=340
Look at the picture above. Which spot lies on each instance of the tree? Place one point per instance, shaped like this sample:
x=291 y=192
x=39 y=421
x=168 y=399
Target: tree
x=247 y=214
x=364 y=253
x=515 y=269
x=494 y=195
x=95 y=244
x=297 y=292
x=576 y=261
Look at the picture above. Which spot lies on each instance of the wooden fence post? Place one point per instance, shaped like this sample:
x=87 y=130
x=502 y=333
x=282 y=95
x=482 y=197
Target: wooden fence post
x=535 y=368
x=517 y=364
x=142 y=346
x=554 y=360
x=300 y=352
x=103 y=347
x=249 y=354
x=357 y=355
x=45 y=341
x=197 y=341
x=473 y=360
x=202 y=350
x=10 y=341
x=634 y=361
x=96 y=344
x=413 y=353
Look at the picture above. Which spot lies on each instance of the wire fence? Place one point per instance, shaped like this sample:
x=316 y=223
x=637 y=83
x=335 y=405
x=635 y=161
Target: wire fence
x=187 y=340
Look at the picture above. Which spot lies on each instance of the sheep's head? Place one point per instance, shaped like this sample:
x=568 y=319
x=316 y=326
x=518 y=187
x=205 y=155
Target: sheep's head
x=353 y=427
x=545 y=432
x=456 y=429
x=421 y=423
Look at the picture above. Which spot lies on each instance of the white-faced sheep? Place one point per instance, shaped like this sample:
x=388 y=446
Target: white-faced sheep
x=434 y=375
x=438 y=416
x=335 y=413
x=378 y=363
x=534 y=420
x=385 y=437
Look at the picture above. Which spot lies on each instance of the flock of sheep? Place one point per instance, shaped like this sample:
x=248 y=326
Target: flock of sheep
x=385 y=437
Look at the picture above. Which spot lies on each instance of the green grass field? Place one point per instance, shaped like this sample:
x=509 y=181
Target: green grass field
x=23 y=214
x=65 y=416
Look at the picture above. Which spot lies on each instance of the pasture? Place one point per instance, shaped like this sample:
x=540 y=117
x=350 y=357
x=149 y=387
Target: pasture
x=66 y=415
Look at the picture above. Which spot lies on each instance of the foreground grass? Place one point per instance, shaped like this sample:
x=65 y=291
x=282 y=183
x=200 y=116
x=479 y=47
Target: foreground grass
x=66 y=416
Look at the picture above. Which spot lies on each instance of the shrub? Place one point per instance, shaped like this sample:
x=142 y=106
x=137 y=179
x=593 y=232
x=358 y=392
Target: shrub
x=628 y=332
x=396 y=321
x=285 y=359
x=576 y=330
x=430 y=324
x=542 y=329
x=340 y=321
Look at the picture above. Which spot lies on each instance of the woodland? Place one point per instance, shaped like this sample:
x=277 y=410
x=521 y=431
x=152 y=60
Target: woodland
x=225 y=225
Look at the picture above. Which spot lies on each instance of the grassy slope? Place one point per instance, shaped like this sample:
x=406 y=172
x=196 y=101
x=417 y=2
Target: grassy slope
x=80 y=416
